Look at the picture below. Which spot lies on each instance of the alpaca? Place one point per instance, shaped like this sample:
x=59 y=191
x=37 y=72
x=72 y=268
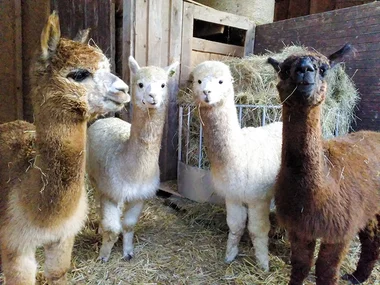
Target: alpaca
x=122 y=162
x=244 y=162
x=42 y=196
x=328 y=190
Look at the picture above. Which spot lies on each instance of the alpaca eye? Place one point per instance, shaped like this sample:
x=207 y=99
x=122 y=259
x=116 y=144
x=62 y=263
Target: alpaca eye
x=162 y=85
x=220 y=81
x=323 y=70
x=199 y=81
x=141 y=85
x=79 y=75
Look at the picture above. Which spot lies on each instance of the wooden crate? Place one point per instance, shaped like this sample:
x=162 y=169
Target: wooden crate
x=159 y=32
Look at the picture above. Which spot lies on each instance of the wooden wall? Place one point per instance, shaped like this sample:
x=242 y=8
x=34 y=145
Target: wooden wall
x=327 y=32
x=11 y=104
x=76 y=15
x=286 y=9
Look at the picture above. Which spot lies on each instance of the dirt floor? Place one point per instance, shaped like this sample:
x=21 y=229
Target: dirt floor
x=182 y=242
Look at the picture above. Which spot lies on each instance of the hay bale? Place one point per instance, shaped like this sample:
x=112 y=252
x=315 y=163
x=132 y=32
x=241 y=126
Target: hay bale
x=255 y=84
x=259 y=11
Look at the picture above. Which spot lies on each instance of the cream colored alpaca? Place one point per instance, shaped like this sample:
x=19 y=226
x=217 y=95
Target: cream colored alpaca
x=244 y=162
x=42 y=196
x=123 y=158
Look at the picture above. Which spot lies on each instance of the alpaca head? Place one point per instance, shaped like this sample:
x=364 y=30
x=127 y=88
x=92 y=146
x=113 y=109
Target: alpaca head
x=150 y=84
x=302 y=76
x=73 y=78
x=211 y=83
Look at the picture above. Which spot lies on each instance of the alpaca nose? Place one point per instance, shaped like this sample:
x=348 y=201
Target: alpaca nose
x=120 y=86
x=305 y=66
x=206 y=92
x=305 y=72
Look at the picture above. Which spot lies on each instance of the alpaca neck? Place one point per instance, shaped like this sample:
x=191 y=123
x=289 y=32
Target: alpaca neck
x=146 y=131
x=58 y=169
x=302 y=148
x=221 y=132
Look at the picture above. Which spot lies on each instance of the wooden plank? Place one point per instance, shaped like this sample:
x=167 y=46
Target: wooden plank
x=34 y=16
x=18 y=60
x=281 y=10
x=175 y=38
x=8 y=69
x=140 y=27
x=222 y=18
x=317 y=20
x=168 y=154
x=249 y=42
x=165 y=31
x=187 y=34
x=197 y=57
x=128 y=36
x=154 y=32
x=298 y=8
x=319 y=6
x=215 y=47
x=112 y=33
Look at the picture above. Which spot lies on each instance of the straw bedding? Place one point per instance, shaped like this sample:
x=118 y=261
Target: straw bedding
x=182 y=242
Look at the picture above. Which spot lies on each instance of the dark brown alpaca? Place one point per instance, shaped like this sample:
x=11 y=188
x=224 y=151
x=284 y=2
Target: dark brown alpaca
x=328 y=190
x=42 y=196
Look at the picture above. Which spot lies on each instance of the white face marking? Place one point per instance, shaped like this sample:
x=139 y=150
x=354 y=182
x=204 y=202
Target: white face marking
x=150 y=93
x=212 y=83
x=210 y=89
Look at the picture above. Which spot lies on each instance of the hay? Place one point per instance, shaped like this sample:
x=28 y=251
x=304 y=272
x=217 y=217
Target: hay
x=255 y=84
x=184 y=245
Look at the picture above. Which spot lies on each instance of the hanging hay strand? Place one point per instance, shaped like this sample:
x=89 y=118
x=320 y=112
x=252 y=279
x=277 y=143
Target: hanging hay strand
x=255 y=84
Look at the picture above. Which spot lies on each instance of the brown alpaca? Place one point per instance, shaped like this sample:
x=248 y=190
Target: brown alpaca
x=42 y=196
x=328 y=190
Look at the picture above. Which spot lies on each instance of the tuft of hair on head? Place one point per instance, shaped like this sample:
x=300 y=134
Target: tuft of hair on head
x=50 y=36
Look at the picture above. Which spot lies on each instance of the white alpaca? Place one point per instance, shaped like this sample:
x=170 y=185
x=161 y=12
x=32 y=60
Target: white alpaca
x=122 y=161
x=244 y=162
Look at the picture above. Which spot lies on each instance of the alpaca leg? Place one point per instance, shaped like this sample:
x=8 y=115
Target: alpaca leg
x=236 y=220
x=258 y=227
x=19 y=267
x=302 y=252
x=370 y=251
x=110 y=226
x=57 y=260
x=130 y=217
x=327 y=267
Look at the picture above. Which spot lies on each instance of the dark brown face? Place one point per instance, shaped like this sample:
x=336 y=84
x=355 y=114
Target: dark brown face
x=302 y=76
x=302 y=80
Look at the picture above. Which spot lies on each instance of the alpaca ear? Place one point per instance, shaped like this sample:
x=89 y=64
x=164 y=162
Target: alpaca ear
x=50 y=36
x=337 y=56
x=133 y=65
x=171 y=69
x=274 y=63
x=82 y=36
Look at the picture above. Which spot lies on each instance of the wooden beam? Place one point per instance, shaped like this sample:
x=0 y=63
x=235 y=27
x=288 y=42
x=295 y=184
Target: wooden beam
x=218 y=48
x=222 y=18
x=187 y=35
x=18 y=60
